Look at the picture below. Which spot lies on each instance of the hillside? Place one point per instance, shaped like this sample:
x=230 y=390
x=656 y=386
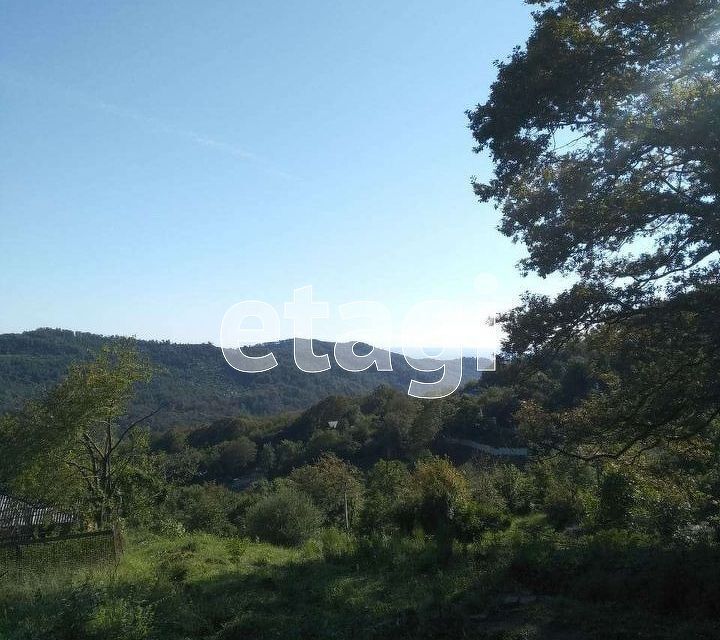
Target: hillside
x=193 y=380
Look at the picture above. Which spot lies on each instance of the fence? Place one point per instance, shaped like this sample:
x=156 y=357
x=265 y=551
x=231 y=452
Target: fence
x=26 y=556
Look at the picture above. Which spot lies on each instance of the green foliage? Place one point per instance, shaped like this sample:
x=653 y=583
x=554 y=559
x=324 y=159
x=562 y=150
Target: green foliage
x=192 y=381
x=207 y=507
x=473 y=519
x=615 y=501
x=440 y=492
x=335 y=486
x=267 y=458
x=613 y=584
x=289 y=454
x=387 y=497
x=515 y=487
x=121 y=619
x=285 y=516
x=223 y=430
x=75 y=446
x=234 y=457
x=603 y=132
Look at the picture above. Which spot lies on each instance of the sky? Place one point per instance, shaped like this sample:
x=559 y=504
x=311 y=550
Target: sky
x=163 y=161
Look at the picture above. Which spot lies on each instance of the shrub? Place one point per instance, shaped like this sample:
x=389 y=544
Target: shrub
x=335 y=543
x=286 y=517
x=563 y=507
x=205 y=507
x=515 y=488
x=440 y=493
x=475 y=518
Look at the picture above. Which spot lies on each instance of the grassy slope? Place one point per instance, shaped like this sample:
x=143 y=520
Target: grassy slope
x=201 y=586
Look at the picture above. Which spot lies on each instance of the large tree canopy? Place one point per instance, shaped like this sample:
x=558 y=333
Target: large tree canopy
x=605 y=135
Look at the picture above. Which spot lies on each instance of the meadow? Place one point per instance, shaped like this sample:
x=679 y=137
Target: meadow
x=524 y=582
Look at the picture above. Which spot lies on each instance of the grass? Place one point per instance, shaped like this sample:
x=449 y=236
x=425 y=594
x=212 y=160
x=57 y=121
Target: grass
x=202 y=586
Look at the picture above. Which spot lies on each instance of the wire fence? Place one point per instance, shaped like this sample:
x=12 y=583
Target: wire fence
x=32 y=556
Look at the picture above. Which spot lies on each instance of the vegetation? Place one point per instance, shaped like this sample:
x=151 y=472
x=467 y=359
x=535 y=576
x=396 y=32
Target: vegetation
x=73 y=446
x=372 y=514
x=204 y=586
x=604 y=135
x=419 y=544
x=192 y=382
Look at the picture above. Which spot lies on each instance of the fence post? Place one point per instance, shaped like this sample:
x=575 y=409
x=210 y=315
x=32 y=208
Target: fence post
x=117 y=542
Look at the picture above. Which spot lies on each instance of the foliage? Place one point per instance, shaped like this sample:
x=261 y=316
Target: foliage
x=75 y=446
x=286 y=517
x=387 y=497
x=604 y=135
x=206 y=507
x=192 y=381
x=202 y=586
x=334 y=486
x=234 y=457
x=440 y=492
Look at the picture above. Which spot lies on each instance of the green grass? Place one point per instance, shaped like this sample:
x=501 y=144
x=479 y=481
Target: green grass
x=202 y=586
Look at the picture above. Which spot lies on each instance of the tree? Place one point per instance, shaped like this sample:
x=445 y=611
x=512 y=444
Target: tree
x=234 y=457
x=207 y=507
x=395 y=413
x=289 y=453
x=425 y=427
x=605 y=136
x=335 y=487
x=76 y=446
x=387 y=498
x=217 y=432
x=266 y=458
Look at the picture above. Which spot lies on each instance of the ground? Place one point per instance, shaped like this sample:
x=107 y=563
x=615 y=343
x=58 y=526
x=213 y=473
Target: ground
x=202 y=586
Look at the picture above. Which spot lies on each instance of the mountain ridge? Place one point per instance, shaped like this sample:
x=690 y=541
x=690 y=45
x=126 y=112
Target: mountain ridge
x=194 y=380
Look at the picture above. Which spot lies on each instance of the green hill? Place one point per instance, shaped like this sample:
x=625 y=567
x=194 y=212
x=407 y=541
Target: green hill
x=193 y=380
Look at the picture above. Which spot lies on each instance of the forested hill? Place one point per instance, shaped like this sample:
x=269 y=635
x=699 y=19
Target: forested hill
x=193 y=380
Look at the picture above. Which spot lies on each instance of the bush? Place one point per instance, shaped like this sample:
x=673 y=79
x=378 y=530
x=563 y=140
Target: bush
x=285 y=517
x=441 y=492
x=475 y=518
x=515 y=488
x=563 y=507
x=207 y=507
x=336 y=543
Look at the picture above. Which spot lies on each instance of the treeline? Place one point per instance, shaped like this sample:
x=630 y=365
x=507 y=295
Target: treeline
x=191 y=381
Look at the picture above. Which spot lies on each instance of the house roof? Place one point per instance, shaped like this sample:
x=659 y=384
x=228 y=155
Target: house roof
x=17 y=513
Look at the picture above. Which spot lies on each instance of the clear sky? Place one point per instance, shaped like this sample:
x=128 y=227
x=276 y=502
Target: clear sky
x=164 y=160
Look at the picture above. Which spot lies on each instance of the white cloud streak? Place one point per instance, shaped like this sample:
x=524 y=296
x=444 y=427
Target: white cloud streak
x=11 y=78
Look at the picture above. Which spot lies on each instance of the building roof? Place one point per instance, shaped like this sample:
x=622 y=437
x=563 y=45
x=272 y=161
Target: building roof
x=16 y=513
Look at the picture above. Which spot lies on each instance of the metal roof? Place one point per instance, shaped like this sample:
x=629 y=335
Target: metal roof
x=16 y=513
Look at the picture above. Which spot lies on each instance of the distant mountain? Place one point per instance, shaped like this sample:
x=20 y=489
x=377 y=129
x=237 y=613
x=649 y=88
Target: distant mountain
x=193 y=379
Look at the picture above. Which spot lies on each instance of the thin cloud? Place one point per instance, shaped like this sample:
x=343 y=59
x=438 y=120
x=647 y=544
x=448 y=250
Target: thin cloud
x=156 y=125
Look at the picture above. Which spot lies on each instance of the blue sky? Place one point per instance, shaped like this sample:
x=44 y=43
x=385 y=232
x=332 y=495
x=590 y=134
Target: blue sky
x=164 y=160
